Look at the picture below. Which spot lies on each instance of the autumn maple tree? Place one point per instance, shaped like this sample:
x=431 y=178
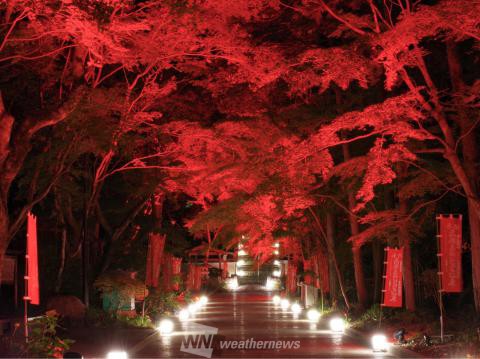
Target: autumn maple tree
x=263 y=113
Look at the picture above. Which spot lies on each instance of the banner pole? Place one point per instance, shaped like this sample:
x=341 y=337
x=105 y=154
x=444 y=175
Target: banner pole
x=440 y=294
x=384 y=276
x=25 y=297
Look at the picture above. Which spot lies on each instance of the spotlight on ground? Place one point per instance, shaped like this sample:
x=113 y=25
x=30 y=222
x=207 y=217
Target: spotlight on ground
x=117 y=354
x=270 y=284
x=203 y=300
x=296 y=308
x=284 y=304
x=183 y=315
x=313 y=315
x=233 y=284
x=241 y=273
x=276 y=299
x=192 y=308
x=337 y=325
x=277 y=273
x=165 y=327
x=379 y=343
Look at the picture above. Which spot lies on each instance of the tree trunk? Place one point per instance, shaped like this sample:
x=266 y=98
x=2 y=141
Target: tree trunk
x=357 y=253
x=407 y=271
x=475 y=249
x=359 y=276
x=331 y=252
x=61 y=268
x=3 y=234
x=63 y=240
x=331 y=264
x=470 y=151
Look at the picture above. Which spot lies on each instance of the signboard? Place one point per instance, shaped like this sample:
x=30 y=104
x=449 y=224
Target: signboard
x=393 y=284
x=450 y=253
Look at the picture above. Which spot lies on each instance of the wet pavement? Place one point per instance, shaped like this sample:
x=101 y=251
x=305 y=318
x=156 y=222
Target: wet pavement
x=247 y=321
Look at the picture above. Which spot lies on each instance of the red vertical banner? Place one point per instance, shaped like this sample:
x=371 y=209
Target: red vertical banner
x=291 y=278
x=33 y=291
x=224 y=268
x=190 y=284
x=393 y=284
x=156 y=243
x=167 y=272
x=176 y=270
x=450 y=253
x=198 y=277
x=194 y=277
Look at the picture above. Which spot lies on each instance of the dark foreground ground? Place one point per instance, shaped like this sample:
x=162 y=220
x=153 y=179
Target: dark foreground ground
x=247 y=317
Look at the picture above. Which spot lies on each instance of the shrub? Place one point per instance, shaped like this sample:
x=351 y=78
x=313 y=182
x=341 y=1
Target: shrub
x=43 y=340
x=159 y=302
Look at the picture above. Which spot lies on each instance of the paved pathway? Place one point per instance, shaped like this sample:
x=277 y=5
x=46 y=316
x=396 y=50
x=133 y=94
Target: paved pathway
x=243 y=317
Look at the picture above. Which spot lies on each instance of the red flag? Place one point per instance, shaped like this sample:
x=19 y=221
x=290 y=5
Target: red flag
x=308 y=268
x=450 y=253
x=191 y=277
x=33 y=291
x=154 y=258
x=392 y=292
x=224 y=268
x=167 y=272
x=198 y=277
x=291 y=278
x=176 y=270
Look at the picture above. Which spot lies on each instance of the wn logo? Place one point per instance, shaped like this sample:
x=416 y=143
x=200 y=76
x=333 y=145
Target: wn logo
x=198 y=340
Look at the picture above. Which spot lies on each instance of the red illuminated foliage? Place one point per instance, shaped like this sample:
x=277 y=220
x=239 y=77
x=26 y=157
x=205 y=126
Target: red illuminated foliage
x=196 y=93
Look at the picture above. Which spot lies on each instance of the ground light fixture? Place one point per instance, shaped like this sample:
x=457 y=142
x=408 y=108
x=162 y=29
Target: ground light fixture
x=192 y=308
x=276 y=299
x=379 y=343
x=241 y=273
x=313 y=315
x=241 y=262
x=296 y=308
x=233 y=284
x=276 y=273
x=337 y=325
x=117 y=354
x=165 y=327
x=203 y=300
x=183 y=315
x=276 y=262
x=285 y=304
x=276 y=252
x=270 y=284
